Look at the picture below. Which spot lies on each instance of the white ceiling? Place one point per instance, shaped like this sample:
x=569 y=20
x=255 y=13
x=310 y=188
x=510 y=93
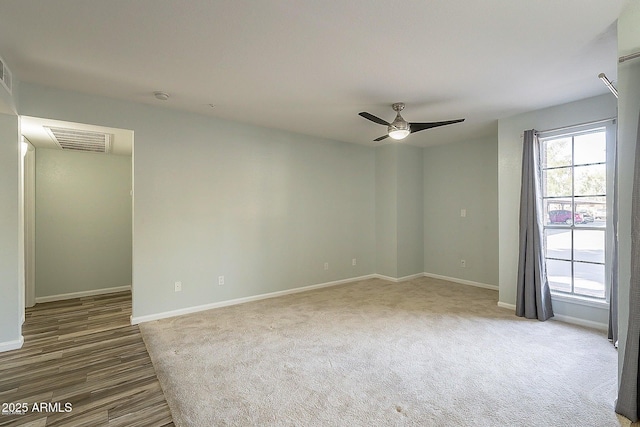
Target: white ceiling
x=310 y=66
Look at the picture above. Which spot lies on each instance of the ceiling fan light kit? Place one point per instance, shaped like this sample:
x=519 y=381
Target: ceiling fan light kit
x=400 y=128
x=398 y=134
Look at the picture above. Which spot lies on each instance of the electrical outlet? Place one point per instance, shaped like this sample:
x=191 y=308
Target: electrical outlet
x=220 y=280
x=353 y=261
x=177 y=287
x=326 y=265
x=463 y=263
x=463 y=213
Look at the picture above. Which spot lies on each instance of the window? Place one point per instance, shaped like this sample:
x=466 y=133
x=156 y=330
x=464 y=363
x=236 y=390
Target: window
x=574 y=188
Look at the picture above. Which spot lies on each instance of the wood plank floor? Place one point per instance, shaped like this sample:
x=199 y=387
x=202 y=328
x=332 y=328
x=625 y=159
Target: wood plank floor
x=82 y=352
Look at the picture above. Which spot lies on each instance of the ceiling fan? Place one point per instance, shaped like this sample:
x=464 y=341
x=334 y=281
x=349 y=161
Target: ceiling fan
x=400 y=128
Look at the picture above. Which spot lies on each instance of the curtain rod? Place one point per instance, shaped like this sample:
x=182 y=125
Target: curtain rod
x=610 y=119
x=628 y=57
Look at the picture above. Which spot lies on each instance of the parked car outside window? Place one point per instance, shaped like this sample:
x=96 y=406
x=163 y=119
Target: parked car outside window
x=564 y=217
x=586 y=217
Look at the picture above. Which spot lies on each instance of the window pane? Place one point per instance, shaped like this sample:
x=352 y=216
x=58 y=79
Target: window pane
x=557 y=182
x=557 y=152
x=590 y=180
x=559 y=275
x=590 y=148
x=592 y=211
x=558 y=243
x=589 y=279
x=588 y=245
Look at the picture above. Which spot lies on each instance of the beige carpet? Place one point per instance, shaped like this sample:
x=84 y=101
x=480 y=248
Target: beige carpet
x=373 y=353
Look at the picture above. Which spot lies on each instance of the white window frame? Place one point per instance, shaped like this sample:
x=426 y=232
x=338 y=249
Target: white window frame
x=609 y=125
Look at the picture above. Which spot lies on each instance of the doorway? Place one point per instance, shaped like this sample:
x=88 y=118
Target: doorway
x=78 y=209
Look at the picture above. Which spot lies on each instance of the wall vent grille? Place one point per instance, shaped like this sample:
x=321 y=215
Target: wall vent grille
x=80 y=140
x=5 y=75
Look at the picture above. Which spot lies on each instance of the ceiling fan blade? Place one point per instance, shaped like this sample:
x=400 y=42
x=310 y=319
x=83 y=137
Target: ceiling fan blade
x=381 y=138
x=373 y=118
x=417 y=127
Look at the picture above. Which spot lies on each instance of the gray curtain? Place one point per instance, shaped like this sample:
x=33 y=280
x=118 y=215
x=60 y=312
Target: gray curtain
x=533 y=299
x=627 y=404
x=613 y=244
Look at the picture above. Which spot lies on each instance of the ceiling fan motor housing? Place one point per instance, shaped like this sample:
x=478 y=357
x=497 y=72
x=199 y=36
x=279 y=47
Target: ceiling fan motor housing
x=399 y=124
x=399 y=128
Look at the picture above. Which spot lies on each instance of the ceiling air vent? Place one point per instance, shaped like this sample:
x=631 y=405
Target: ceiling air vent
x=80 y=140
x=5 y=75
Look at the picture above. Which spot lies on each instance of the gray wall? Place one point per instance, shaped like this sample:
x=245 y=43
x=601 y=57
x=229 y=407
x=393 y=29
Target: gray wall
x=410 y=211
x=386 y=214
x=83 y=222
x=462 y=176
x=510 y=132
x=399 y=210
x=262 y=207
x=10 y=314
x=628 y=111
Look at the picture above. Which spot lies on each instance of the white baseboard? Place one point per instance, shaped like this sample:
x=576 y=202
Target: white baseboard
x=506 y=305
x=581 y=322
x=461 y=281
x=400 y=279
x=11 y=345
x=179 y=312
x=565 y=319
x=157 y=316
x=81 y=294
x=387 y=278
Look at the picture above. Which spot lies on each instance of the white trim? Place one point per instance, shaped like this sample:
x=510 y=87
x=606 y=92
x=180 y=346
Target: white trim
x=461 y=281
x=580 y=322
x=578 y=128
x=188 y=310
x=507 y=305
x=29 y=218
x=410 y=277
x=574 y=299
x=81 y=294
x=437 y=276
x=564 y=319
x=383 y=277
x=400 y=279
x=11 y=345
